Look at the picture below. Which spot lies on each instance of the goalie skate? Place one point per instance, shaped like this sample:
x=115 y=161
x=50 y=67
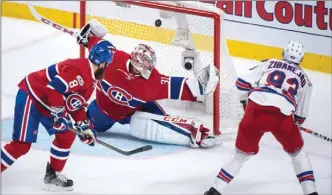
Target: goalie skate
x=56 y=182
x=211 y=141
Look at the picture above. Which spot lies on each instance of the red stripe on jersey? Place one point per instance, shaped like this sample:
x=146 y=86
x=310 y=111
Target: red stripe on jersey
x=242 y=85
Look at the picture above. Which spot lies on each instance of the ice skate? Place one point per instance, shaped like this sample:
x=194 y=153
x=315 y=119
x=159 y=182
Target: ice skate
x=55 y=181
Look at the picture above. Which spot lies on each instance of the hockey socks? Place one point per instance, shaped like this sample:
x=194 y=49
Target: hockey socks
x=229 y=170
x=60 y=149
x=304 y=173
x=11 y=152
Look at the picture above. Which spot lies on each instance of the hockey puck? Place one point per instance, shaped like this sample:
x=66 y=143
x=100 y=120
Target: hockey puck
x=157 y=23
x=188 y=66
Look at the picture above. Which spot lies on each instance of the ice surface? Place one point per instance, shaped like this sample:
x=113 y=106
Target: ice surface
x=28 y=46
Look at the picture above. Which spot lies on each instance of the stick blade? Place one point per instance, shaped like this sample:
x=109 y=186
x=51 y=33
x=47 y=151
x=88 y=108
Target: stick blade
x=141 y=149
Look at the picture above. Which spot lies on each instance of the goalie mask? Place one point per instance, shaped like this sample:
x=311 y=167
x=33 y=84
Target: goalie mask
x=143 y=58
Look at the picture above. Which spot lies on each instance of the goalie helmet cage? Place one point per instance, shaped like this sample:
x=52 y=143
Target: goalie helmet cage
x=204 y=22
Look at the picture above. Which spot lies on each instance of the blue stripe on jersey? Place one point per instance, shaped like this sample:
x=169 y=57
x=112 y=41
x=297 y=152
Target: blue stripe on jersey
x=269 y=90
x=59 y=84
x=241 y=88
x=173 y=127
x=105 y=86
x=243 y=81
x=59 y=153
x=176 y=87
x=242 y=85
x=51 y=71
x=5 y=158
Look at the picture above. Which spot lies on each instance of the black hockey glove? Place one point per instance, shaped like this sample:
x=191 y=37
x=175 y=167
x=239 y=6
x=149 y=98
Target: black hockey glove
x=83 y=36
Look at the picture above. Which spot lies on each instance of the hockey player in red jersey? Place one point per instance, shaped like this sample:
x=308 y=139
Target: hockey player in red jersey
x=131 y=86
x=276 y=96
x=48 y=97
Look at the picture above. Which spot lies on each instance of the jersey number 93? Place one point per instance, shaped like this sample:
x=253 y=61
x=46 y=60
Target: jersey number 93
x=277 y=79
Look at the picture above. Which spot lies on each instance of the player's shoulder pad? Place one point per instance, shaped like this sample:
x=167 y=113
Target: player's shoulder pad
x=75 y=101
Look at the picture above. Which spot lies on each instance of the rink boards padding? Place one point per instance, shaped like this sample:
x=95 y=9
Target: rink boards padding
x=236 y=48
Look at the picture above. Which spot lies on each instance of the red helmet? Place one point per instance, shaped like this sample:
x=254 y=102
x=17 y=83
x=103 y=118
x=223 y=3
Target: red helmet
x=144 y=59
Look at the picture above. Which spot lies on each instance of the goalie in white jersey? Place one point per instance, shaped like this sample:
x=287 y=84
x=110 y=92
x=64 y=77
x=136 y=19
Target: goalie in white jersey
x=276 y=96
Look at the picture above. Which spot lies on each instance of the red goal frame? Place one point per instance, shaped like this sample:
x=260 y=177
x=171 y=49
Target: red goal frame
x=216 y=52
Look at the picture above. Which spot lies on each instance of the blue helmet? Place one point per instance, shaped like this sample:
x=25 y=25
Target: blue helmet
x=101 y=53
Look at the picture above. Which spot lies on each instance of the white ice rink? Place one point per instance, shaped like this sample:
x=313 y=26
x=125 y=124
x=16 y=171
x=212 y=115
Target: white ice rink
x=30 y=46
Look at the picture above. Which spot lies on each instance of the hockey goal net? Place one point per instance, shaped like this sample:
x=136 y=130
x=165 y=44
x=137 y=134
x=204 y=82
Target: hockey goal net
x=172 y=28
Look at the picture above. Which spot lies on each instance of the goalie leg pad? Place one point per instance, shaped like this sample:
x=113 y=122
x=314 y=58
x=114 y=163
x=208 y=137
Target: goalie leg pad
x=172 y=130
x=143 y=127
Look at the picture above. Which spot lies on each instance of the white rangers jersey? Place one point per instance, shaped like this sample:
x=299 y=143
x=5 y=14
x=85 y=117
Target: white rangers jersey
x=278 y=83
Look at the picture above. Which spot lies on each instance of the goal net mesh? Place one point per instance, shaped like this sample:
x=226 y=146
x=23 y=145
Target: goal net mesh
x=129 y=25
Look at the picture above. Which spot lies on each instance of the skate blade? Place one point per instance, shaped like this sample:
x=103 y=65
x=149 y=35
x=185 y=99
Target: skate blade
x=54 y=188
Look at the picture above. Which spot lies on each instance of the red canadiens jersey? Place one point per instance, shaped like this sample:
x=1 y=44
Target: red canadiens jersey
x=49 y=87
x=121 y=93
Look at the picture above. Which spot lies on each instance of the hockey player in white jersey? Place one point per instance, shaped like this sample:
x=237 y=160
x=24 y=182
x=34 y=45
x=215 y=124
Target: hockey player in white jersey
x=276 y=96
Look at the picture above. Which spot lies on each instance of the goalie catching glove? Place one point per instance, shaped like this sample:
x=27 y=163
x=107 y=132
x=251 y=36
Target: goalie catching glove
x=87 y=135
x=205 y=82
x=93 y=28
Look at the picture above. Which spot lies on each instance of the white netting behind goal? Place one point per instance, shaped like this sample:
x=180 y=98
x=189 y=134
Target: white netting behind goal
x=129 y=25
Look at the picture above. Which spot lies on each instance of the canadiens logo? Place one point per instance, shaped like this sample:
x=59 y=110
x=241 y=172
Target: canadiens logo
x=128 y=76
x=75 y=102
x=119 y=96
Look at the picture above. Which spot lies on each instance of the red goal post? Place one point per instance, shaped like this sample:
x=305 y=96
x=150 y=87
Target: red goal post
x=166 y=6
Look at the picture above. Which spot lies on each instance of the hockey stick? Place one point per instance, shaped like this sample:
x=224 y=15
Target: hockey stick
x=50 y=22
x=109 y=146
x=316 y=134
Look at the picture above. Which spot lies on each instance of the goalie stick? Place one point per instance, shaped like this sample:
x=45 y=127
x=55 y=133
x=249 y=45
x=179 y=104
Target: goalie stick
x=126 y=153
x=46 y=21
x=316 y=134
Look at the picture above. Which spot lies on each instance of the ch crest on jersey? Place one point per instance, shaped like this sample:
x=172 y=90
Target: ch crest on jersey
x=75 y=102
x=119 y=96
